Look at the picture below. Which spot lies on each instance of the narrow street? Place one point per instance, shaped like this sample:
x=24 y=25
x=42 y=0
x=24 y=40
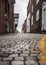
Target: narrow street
x=22 y=32
x=19 y=49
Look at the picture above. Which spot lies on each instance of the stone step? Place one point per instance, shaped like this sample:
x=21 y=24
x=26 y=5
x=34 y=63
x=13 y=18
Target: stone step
x=34 y=51
x=26 y=51
x=17 y=63
x=2 y=54
x=9 y=52
x=19 y=58
x=33 y=55
x=24 y=55
x=30 y=58
x=0 y=58
x=13 y=55
x=7 y=59
x=4 y=63
x=31 y=62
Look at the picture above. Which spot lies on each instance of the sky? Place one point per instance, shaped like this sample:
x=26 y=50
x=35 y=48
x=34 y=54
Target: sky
x=21 y=8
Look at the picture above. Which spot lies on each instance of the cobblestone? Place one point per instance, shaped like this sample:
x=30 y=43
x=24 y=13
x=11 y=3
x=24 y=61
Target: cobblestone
x=7 y=59
x=19 y=58
x=4 y=63
x=13 y=55
x=17 y=63
x=19 y=49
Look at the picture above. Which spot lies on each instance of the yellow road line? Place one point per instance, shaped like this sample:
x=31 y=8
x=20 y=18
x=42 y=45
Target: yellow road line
x=43 y=49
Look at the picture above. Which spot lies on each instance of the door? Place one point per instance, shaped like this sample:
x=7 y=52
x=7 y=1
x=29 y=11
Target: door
x=44 y=17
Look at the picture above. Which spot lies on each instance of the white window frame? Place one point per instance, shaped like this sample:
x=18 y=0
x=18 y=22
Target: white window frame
x=30 y=2
x=28 y=23
x=37 y=1
x=43 y=16
x=32 y=8
x=37 y=15
x=32 y=20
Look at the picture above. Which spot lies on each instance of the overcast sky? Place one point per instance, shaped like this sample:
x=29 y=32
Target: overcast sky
x=21 y=8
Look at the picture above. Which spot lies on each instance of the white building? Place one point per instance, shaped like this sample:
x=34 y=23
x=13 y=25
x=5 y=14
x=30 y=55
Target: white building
x=16 y=20
x=28 y=24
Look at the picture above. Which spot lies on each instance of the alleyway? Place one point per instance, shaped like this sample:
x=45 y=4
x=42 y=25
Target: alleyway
x=19 y=49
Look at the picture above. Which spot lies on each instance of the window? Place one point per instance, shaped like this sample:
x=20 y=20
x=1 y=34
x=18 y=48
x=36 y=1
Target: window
x=6 y=7
x=37 y=1
x=32 y=20
x=29 y=15
x=32 y=8
x=43 y=16
x=30 y=1
x=37 y=15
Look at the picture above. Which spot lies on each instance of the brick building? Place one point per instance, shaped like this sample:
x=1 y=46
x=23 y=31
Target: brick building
x=37 y=11
x=6 y=16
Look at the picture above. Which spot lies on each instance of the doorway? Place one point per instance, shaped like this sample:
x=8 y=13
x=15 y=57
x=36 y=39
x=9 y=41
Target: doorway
x=44 y=16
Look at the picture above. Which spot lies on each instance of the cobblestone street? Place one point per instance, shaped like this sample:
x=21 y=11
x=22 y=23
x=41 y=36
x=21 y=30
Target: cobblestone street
x=22 y=32
x=19 y=49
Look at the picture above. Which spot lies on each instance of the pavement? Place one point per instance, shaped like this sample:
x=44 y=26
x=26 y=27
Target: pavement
x=20 y=49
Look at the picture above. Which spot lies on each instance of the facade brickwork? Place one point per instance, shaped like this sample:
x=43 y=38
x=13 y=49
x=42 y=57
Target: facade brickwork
x=37 y=24
x=24 y=26
x=6 y=16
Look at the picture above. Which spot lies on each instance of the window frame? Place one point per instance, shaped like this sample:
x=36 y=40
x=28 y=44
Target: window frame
x=37 y=15
x=32 y=20
x=32 y=8
x=37 y=1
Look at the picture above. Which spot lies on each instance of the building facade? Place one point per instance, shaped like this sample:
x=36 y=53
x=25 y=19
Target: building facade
x=28 y=17
x=24 y=26
x=16 y=20
x=6 y=16
x=37 y=10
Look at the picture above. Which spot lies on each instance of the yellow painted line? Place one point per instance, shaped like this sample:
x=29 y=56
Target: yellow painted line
x=43 y=49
